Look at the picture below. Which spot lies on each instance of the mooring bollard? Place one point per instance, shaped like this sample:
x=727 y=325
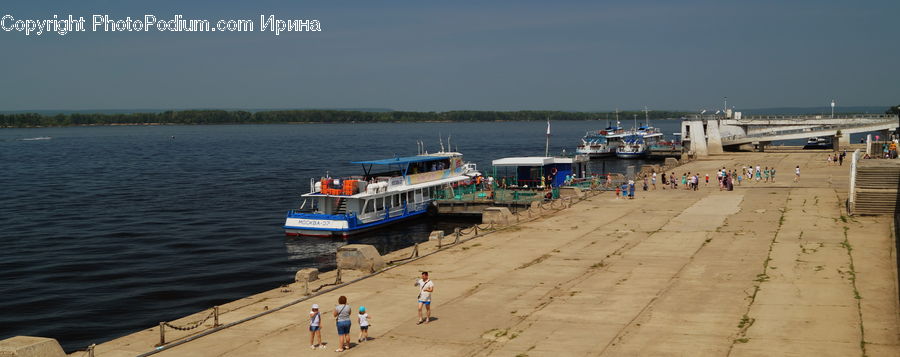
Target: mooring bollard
x=216 y=316
x=91 y=349
x=440 y=238
x=162 y=333
x=456 y=234
x=476 y=230
x=416 y=250
x=337 y=279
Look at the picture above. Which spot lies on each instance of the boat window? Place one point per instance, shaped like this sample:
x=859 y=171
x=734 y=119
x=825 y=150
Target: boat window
x=379 y=203
x=395 y=200
x=370 y=206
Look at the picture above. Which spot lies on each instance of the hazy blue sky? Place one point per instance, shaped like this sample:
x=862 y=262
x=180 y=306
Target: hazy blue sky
x=426 y=55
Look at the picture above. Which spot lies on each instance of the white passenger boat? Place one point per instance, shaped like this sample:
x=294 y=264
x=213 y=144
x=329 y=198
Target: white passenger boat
x=402 y=188
x=633 y=147
x=600 y=143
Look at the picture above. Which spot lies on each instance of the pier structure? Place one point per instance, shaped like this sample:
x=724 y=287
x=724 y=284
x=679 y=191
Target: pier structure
x=769 y=269
x=712 y=134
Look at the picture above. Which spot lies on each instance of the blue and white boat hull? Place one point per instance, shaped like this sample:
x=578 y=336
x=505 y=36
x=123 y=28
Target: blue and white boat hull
x=322 y=225
x=632 y=155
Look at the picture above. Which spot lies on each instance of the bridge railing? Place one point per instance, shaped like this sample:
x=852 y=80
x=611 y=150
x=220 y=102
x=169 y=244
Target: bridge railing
x=817 y=116
x=811 y=131
x=795 y=117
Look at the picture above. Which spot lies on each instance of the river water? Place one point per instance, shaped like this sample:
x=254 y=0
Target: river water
x=109 y=230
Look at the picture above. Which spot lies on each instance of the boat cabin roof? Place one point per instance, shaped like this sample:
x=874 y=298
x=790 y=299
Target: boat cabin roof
x=531 y=161
x=404 y=160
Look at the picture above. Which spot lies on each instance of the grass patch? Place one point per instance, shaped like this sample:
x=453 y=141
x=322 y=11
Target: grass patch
x=746 y=322
x=856 y=296
x=533 y=262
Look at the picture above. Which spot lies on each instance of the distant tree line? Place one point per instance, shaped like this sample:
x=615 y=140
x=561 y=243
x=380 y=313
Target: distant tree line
x=894 y=110
x=24 y=120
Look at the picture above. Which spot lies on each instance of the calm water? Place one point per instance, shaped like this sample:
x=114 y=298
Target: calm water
x=109 y=230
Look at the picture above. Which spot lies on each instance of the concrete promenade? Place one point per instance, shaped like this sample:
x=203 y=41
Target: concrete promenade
x=769 y=269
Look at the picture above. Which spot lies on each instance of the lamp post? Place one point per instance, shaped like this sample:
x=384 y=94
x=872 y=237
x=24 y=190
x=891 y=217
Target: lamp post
x=832 y=109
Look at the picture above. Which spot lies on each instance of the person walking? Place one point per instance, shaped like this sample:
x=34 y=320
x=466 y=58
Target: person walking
x=772 y=174
x=364 y=318
x=342 y=316
x=630 y=189
x=758 y=175
x=766 y=173
x=707 y=180
x=426 y=287
x=315 y=328
x=797 y=174
x=653 y=180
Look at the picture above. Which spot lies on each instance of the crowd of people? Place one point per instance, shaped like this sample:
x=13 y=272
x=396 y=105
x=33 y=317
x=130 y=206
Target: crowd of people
x=725 y=179
x=343 y=311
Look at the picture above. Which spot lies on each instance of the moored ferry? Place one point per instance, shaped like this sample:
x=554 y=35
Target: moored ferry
x=599 y=143
x=633 y=147
x=400 y=188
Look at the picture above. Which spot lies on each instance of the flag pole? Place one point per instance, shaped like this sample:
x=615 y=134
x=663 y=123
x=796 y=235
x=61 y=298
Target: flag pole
x=547 y=144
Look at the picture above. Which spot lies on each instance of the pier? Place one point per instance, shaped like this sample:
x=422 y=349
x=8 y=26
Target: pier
x=767 y=269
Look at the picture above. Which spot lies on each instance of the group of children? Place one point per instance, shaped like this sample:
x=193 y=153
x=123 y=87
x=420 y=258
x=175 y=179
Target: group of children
x=626 y=190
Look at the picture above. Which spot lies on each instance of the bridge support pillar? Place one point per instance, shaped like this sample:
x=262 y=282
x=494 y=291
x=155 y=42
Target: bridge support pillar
x=698 y=138
x=713 y=138
x=844 y=141
x=761 y=145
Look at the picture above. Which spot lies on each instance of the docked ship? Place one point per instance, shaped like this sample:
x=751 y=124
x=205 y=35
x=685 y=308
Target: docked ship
x=633 y=147
x=600 y=143
x=638 y=141
x=400 y=188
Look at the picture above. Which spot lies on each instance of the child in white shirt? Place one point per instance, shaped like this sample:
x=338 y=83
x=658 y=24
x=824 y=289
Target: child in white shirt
x=363 y=324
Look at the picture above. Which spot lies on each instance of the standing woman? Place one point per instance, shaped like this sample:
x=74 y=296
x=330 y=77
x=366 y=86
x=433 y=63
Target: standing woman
x=342 y=314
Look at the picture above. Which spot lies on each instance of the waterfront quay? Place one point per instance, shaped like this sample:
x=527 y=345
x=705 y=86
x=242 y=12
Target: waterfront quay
x=768 y=269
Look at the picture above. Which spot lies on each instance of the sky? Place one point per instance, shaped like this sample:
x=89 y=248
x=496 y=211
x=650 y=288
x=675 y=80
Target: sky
x=463 y=55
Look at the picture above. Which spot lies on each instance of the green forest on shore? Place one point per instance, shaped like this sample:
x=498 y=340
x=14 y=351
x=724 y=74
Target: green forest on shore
x=189 y=117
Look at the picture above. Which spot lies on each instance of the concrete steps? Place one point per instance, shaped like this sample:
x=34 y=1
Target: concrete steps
x=877 y=187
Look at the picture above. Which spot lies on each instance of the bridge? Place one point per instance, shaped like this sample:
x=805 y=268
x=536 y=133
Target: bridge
x=703 y=135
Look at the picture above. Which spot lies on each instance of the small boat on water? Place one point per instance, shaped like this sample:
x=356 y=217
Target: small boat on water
x=402 y=189
x=817 y=143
